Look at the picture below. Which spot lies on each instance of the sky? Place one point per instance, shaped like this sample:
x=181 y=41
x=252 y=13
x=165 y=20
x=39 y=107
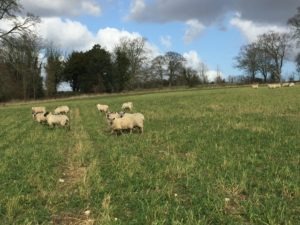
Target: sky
x=207 y=31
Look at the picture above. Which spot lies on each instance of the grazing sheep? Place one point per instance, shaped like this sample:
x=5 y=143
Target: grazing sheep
x=285 y=84
x=255 y=86
x=40 y=117
x=39 y=109
x=127 y=105
x=102 y=108
x=272 y=86
x=128 y=121
x=52 y=119
x=61 y=110
x=291 y=84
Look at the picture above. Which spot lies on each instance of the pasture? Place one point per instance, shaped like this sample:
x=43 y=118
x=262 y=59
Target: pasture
x=217 y=156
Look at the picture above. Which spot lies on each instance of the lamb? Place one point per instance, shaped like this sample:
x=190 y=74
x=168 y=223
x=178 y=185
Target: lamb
x=53 y=119
x=255 y=86
x=127 y=105
x=62 y=110
x=38 y=109
x=128 y=121
x=102 y=108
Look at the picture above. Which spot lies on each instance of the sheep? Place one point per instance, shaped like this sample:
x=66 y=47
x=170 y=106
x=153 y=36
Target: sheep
x=40 y=117
x=119 y=124
x=53 y=119
x=61 y=110
x=255 y=86
x=285 y=84
x=128 y=121
x=102 y=108
x=127 y=105
x=37 y=109
x=291 y=84
x=272 y=86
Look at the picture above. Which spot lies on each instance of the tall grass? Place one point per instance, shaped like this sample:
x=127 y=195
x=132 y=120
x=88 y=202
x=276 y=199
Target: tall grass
x=225 y=156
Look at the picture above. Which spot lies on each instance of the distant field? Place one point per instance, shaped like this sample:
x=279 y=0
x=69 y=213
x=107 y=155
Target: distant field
x=219 y=156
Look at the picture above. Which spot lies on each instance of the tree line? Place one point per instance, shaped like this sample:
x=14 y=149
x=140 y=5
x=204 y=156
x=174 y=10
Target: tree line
x=24 y=74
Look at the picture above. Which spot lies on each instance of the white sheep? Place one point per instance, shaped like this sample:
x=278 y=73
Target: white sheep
x=138 y=120
x=119 y=124
x=285 y=84
x=127 y=105
x=255 y=86
x=52 y=119
x=37 y=109
x=61 y=109
x=40 y=117
x=272 y=86
x=291 y=84
x=128 y=121
x=102 y=108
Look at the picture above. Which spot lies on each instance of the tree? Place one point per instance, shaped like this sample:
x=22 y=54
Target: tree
x=275 y=45
x=136 y=53
x=54 y=69
x=8 y=11
x=75 y=67
x=190 y=76
x=98 y=76
x=247 y=60
x=298 y=64
x=203 y=73
x=174 y=62
x=158 y=68
x=294 y=22
x=20 y=60
x=121 y=74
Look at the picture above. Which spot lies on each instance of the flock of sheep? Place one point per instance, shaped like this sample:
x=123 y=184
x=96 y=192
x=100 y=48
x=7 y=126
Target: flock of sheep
x=59 y=116
x=117 y=121
x=121 y=121
x=272 y=86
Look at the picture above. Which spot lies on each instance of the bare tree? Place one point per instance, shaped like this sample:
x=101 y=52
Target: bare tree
x=294 y=22
x=158 y=68
x=136 y=53
x=247 y=60
x=275 y=45
x=174 y=63
x=9 y=11
x=203 y=73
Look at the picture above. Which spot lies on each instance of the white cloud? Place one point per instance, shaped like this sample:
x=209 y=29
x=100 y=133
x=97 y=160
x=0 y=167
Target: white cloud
x=72 y=35
x=166 y=41
x=67 y=34
x=51 y=8
x=194 y=28
x=251 y=30
x=212 y=74
x=192 y=59
x=109 y=37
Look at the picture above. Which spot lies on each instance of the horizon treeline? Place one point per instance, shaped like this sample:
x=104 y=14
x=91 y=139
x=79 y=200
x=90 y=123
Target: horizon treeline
x=32 y=69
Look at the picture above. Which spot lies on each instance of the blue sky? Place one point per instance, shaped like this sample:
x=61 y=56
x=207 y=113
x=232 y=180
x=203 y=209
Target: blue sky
x=207 y=31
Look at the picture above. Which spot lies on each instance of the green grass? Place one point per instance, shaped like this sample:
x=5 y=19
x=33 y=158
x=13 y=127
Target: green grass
x=219 y=156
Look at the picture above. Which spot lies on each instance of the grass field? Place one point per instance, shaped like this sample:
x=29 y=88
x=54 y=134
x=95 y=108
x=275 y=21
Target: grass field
x=219 y=156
